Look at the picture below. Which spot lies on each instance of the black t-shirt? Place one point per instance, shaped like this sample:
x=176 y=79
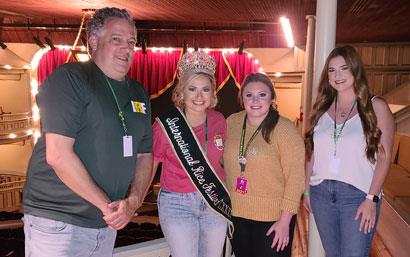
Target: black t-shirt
x=76 y=101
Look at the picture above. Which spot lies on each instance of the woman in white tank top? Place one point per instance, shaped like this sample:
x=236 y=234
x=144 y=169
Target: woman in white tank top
x=348 y=150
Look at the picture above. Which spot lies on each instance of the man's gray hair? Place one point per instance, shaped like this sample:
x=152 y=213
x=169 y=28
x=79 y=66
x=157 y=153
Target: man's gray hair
x=99 y=18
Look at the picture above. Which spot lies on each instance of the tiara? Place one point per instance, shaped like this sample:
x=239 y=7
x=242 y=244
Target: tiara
x=196 y=62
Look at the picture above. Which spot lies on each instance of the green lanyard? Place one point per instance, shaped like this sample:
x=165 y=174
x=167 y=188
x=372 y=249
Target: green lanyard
x=120 y=112
x=242 y=150
x=337 y=133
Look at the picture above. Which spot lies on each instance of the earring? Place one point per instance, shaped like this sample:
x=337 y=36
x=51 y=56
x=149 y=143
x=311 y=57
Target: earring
x=181 y=97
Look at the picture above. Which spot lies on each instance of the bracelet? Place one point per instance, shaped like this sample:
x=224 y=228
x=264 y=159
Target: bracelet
x=306 y=193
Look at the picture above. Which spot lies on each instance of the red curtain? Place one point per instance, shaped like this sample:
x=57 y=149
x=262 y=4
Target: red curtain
x=50 y=61
x=240 y=65
x=156 y=70
x=221 y=71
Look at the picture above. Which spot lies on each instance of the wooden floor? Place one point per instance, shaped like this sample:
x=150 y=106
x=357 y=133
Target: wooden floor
x=299 y=247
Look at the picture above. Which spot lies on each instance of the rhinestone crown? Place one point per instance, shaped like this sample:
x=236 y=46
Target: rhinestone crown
x=196 y=62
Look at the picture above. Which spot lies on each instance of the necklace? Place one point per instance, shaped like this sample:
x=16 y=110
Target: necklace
x=337 y=132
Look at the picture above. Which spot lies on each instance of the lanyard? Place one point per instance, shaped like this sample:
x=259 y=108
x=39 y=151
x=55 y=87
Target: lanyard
x=120 y=112
x=337 y=133
x=206 y=135
x=242 y=150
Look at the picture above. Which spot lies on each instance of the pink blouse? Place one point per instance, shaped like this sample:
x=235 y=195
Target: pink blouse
x=173 y=176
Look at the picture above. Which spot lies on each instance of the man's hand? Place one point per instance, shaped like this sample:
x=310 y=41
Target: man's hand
x=122 y=212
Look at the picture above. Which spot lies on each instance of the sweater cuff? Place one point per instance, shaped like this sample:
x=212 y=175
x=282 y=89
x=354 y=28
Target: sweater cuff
x=290 y=206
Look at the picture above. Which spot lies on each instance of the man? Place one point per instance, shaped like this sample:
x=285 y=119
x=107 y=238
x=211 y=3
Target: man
x=91 y=168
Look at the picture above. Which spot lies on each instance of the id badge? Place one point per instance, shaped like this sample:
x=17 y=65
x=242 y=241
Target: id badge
x=127 y=146
x=334 y=166
x=241 y=184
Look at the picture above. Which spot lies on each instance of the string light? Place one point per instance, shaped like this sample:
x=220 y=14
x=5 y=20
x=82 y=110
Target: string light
x=287 y=30
x=34 y=87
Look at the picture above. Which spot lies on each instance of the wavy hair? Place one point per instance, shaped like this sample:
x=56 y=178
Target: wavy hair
x=185 y=80
x=96 y=23
x=270 y=121
x=327 y=94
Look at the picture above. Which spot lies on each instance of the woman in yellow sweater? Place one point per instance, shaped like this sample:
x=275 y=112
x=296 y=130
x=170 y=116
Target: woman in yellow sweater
x=264 y=165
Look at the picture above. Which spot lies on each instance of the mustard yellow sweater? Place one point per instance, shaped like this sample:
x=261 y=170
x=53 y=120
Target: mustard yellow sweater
x=275 y=171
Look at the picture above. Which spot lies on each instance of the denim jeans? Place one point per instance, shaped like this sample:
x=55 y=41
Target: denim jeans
x=46 y=237
x=334 y=205
x=189 y=226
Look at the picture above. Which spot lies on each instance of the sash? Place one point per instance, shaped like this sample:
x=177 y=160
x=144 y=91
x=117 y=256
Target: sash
x=190 y=154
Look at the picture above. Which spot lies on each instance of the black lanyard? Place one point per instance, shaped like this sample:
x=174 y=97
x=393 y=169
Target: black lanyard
x=243 y=151
x=120 y=112
x=206 y=135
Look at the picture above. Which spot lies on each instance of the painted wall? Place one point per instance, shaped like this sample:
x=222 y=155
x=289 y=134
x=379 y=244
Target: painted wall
x=15 y=94
x=15 y=157
x=288 y=88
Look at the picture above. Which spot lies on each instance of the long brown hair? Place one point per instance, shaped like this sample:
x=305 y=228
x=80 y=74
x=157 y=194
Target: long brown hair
x=270 y=121
x=327 y=94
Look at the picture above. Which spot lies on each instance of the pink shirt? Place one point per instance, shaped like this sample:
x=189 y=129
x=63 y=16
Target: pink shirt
x=173 y=176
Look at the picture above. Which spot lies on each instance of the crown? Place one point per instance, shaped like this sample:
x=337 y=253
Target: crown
x=196 y=62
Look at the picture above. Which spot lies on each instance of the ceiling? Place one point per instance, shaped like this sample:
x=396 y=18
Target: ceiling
x=210 y=23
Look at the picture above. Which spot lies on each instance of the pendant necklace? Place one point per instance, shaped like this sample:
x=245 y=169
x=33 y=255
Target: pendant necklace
x=337 y=132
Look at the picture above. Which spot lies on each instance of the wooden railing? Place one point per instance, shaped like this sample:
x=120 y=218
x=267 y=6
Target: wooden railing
x=15 y=127
x=11 y=191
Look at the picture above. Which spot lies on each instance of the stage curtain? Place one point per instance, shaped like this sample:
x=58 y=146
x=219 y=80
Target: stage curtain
x=156 y=70
x=221 y=70
x=240 y=65
x=50 y=61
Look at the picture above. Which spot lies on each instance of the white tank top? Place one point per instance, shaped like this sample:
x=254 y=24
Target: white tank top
x=350 y=164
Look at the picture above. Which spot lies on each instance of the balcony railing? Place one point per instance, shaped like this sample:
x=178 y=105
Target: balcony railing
x=15 y=127
x=11 y=189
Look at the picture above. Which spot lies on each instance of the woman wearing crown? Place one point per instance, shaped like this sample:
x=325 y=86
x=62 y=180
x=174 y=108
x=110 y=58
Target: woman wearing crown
x=193 y=204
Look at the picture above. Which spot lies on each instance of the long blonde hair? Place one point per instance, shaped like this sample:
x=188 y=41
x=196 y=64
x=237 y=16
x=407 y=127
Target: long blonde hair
x=327 y=94
x=185 y=80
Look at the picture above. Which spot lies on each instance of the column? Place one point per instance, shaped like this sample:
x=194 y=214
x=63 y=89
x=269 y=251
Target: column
x=326 y=14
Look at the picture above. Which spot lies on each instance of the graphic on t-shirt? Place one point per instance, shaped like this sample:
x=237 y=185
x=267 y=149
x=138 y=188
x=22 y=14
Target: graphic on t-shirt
x=138 y=107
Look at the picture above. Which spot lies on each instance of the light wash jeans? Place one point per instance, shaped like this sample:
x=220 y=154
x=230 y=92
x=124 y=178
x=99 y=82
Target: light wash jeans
x=46 y=237
x=189 y=226
x=334 y=205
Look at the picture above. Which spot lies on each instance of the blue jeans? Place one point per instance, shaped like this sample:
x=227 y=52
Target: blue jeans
x=334 y=205
x=46 y=237
x=189 y=226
